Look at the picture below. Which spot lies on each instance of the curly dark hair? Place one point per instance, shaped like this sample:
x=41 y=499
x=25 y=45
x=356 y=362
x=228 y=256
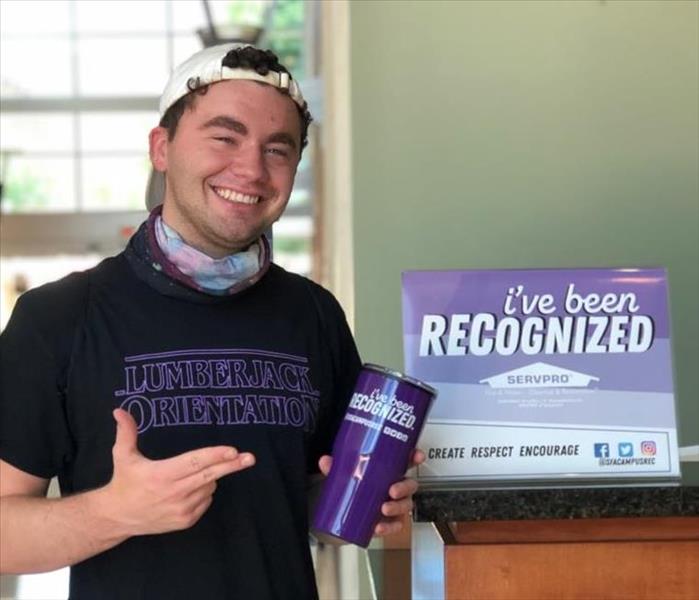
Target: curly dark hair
x=247 y=57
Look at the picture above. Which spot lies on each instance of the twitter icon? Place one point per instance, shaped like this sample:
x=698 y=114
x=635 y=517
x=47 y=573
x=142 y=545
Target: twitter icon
x=625 y=449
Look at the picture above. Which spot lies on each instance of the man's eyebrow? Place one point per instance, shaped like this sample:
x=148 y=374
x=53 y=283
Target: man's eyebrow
x=226 y=123
x=282 y=138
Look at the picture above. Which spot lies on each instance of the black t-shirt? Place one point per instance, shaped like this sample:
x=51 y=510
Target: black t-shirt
x=268 y=370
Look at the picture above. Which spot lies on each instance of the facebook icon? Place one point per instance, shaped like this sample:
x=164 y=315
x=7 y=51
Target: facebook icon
x=602 y=450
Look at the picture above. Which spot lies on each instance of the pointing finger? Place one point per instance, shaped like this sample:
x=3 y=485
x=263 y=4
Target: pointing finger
x=195 y=461
x=214 y=472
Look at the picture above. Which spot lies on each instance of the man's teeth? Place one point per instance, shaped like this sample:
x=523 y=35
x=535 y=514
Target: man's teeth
x=236 y=196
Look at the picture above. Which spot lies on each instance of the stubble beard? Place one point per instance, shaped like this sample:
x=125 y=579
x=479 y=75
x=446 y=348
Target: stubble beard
x=203 y=234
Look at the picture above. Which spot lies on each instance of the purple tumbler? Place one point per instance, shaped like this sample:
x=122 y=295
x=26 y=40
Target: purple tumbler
x=371 y=451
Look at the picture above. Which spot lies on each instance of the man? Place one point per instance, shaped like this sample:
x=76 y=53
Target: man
x=226 y=376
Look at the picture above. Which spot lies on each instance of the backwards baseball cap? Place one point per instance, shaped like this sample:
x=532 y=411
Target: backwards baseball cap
x=206 y=67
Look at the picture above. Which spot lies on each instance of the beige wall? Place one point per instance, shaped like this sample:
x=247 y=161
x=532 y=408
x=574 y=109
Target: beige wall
x=525 y=134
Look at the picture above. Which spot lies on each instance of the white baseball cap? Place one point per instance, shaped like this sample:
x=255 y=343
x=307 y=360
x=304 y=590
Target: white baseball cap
x=207 y=67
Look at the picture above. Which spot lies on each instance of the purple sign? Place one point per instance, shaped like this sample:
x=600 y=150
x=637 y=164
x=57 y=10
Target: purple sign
x=543 y=374
x=371 y=452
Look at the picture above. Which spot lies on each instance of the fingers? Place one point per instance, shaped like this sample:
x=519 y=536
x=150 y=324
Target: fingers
x=394 y=513
x=126 y=433
x=397 y=508
x=388 y=527
x=403 y=489
x=210 y=474
x=198 y=505
x=195 y=461
x=201 y=508
x=325 y=463
x=417 y=458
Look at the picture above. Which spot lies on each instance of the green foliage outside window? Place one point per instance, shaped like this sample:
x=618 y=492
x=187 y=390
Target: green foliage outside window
x=285 y=37
x=247 y=12
x=292 y=245
x=24 y=189
x=285 y=29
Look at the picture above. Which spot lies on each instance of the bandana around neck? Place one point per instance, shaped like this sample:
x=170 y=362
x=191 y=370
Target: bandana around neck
x=214 y=276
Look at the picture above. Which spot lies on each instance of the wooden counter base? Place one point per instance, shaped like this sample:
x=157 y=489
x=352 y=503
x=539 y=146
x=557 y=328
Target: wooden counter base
x=587 y=559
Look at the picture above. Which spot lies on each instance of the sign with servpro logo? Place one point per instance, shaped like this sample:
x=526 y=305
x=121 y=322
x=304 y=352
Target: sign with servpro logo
x=543 y=374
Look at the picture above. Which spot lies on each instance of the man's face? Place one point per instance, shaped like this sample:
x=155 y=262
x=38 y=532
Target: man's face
x=231 y=165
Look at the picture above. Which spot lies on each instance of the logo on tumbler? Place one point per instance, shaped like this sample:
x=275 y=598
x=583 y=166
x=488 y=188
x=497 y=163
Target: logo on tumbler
x=648 y=448
x=361 y=466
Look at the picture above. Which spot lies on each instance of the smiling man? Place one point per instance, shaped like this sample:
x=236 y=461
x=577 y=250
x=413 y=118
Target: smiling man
x=187 y=390
x=230 y=166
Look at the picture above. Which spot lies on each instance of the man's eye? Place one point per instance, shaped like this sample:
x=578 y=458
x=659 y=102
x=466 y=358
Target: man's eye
x=225 y=140
x=278 y=151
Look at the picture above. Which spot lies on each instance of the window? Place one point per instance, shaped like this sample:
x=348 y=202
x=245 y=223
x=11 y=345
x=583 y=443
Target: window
x=74 y=137
x=79 y=90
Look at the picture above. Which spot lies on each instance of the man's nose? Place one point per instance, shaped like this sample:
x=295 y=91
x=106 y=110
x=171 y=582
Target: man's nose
x=249 y=164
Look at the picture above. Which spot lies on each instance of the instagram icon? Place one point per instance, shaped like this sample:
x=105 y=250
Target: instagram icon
x=648 y=448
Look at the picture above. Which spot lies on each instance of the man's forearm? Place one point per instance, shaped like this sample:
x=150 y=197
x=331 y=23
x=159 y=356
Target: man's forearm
x=43 y=534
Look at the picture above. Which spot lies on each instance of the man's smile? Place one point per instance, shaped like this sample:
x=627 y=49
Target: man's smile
x=233 y=196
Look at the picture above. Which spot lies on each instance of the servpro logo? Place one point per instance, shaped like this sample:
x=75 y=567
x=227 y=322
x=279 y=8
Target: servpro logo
x=539 y=375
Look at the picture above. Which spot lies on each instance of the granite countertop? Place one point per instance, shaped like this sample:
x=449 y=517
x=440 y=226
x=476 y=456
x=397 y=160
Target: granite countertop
x=555 y=503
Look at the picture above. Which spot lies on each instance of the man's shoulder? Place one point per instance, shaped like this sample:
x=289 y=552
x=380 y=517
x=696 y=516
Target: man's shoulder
x=67 y=291
x=306 y=288
x=56 y=307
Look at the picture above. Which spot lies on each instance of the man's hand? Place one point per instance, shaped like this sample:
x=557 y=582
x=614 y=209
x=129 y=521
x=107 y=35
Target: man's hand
x=155 y=496
x=401 y=494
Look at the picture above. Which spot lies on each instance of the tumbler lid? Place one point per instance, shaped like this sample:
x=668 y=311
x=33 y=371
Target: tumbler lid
x=401 y=377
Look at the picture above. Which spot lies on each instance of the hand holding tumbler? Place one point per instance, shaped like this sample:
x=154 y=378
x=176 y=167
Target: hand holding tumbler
x=371 y=451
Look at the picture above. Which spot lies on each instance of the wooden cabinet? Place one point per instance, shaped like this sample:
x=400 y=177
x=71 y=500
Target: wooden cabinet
x=605 y=559
x=624 y=543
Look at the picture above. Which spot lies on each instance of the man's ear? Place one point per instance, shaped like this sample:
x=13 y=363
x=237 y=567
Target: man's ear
x=157 y=146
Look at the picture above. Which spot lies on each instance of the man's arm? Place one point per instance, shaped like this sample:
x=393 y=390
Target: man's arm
x=41 y=534
x=144 y=497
